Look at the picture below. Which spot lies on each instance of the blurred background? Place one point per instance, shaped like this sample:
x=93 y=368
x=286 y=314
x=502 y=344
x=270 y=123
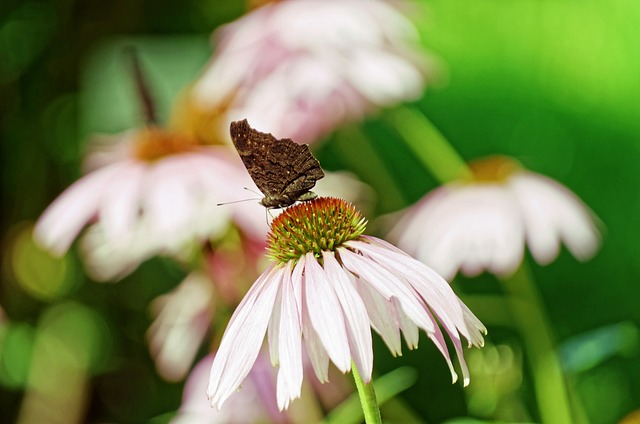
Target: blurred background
x=555 y=84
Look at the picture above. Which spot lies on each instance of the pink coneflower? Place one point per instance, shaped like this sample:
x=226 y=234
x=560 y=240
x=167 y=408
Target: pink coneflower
x=155 y=194
x=327 y=286
x=484 y=224
x=182 y=318
x=298 y=68
x=244 y=406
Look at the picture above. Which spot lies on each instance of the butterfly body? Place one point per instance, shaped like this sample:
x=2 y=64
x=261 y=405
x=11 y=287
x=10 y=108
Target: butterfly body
x=283 y=170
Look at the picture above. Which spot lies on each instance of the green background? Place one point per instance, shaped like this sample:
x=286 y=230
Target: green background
x=556 y=84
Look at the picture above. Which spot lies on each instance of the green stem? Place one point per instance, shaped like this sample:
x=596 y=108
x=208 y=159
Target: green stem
x=524 y=302
x=368 y=398
x=527 y=310
x=429 y=145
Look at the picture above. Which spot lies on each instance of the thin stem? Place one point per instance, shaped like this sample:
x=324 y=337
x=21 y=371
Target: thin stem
x=524 y=303
x=368 y=398
x=527 y=310
x=429 y=145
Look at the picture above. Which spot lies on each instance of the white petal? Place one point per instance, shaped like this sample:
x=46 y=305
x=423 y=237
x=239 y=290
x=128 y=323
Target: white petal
x=553 y=213
x=182 y=318
x=273 y=330
x=383 y=316
x=326 y=314
x=409 y=329
x=428 y=283
x=317 y=353
x=355 y=314
x=243 y=337
x=290 y=344
x=386 y=283
x=438 y=339
x=120 y=207
x=69 y=213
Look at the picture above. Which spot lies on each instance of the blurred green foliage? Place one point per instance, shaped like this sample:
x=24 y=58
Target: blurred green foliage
x=555 y=84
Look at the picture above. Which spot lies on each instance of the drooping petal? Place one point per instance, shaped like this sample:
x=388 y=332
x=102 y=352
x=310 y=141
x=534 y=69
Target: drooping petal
x=381 y=313
x=552 y=214
x=428 y=283
x=409 y=329
x=243 y=337
x=355 y=314
x=385 y=282
x=438 y=339
x=182 y=319
x=326 y=314
x=69 y=213
x=273 y=330
x=289 y=344
x=317 y=353
x=120 y=207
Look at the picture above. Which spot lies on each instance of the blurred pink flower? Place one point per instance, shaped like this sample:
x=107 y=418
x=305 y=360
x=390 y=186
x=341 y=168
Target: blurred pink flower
x=299 y=68
x=155 y=193
x=244 y=406
x=328 y=285
x=183 y=317
x=485 y=224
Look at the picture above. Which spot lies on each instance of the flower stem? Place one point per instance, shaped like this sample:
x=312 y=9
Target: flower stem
x=527 y=310
x=524 y=302
x=429 y=145
x=368 y=398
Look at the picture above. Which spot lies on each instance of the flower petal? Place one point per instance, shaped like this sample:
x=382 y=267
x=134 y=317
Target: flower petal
x=409 y=329
x=273 y=330
x=386 y=283
x=382 y=315
x=69 y=213
x=355 y=314
x=289 y=344
x=243 y=337
x=326 y=314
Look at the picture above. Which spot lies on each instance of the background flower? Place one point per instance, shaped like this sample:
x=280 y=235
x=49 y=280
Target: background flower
x=159 y=198
x=565 y=105
x=299 y=68
x=484 y=225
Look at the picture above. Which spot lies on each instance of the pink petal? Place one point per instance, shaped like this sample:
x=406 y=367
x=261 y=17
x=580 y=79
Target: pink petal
x=273 y=330
x=315 y=349
x=409 y=329
x=438 y=339
x=326 y=314
x=355 y=314
x=120 y=208
x=290 y=344
x=428 y=283
x=386 y=283
x=69 y=213
x=382 y=315
x=243 y=337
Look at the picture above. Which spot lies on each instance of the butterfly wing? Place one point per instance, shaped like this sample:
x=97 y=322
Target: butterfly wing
x=282 y=169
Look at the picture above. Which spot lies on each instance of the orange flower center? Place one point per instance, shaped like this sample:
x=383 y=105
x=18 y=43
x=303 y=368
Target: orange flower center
x=154 y=143
x=494 y=168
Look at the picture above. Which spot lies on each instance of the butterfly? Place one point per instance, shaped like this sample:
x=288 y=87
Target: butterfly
x=283 y=170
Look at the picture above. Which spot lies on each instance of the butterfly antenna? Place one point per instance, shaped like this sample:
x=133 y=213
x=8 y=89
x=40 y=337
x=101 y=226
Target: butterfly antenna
x=234 y=201
x=146 y=100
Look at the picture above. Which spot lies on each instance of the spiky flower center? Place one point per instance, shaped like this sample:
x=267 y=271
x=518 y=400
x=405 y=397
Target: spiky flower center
x=322 y=224
x=494 y=168
x=153 y=143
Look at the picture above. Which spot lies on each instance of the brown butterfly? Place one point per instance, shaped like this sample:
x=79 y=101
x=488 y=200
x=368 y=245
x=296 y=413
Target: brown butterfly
x=283 y=170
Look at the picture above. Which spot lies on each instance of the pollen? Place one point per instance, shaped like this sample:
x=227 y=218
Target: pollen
x=322 y=224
